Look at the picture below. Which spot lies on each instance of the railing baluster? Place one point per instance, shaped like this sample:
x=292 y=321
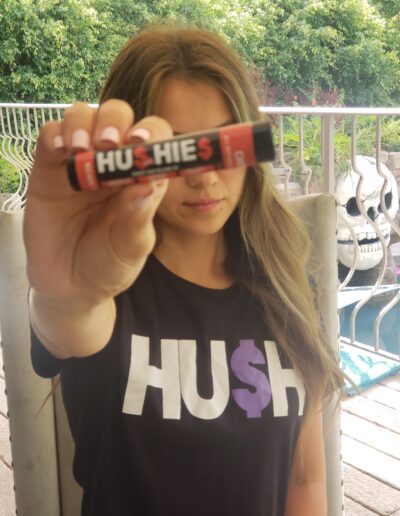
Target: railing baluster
x=396 y=299
x=287 y=169
x=361 y=208
x=352 y=269
x=305 y=169
x=328 y=152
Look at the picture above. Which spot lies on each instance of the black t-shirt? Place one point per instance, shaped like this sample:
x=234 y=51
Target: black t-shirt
x=189 y=410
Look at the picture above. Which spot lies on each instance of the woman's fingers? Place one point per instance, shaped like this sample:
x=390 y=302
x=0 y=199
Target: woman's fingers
x=132 y=232
x=56 y=141
x=111 y=228
x=114 y=118
x=84 y=128
x=48 y=177
x=78 y=126
x=151 y=128
x=50 y=143
x=111 y=125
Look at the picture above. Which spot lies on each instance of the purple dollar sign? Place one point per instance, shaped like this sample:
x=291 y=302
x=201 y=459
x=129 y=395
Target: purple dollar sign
x=242 y=358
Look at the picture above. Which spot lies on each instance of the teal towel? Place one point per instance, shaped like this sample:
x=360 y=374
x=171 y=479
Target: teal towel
x=365 y=368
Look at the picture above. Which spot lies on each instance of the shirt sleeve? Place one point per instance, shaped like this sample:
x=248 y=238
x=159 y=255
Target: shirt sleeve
x=44 y=363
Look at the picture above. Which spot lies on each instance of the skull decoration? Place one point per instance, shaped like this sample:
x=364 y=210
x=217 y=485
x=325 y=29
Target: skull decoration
x=369 y=246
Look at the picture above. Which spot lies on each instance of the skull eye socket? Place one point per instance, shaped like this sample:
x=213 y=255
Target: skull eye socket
x=352 y=208
x=388 y=202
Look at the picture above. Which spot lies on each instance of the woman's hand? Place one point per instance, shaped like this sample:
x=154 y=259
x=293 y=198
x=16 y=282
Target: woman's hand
x=88 y=246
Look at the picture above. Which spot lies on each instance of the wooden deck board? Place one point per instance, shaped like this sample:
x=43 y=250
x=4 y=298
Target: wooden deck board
x=373 y=411
x=352 y=508
x=384 y=395
x=370 y=461
x=371 y=450
x=370 y=434
x=369 y=492
x=393 y=382
x=7 y=505
x=5 y=448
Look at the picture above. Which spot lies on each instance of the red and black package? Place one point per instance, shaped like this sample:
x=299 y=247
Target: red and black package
x=231 y=146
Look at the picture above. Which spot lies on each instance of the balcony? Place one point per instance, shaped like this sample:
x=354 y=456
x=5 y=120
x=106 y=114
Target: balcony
x=316 y=147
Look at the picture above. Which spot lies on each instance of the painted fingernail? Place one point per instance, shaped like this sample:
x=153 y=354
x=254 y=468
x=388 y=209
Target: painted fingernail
x=80 y=139
x=110 y=134
x=159 y=183
x=58 y=142
x=139 y=135
x=142 y=202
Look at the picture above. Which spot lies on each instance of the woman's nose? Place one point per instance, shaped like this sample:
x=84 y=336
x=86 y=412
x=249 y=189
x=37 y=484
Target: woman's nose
x=202 y=179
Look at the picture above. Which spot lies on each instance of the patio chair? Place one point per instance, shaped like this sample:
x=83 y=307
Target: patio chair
x=41 y=443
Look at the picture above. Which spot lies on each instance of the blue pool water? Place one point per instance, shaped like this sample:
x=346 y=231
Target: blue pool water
x=389 y=328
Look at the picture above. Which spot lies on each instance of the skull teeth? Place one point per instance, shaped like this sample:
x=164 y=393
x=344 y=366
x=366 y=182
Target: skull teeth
x=348 y=239
x=366 y=248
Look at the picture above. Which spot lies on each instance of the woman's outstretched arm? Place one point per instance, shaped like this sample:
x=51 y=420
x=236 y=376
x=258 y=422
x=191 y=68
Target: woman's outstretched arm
x=307 y=491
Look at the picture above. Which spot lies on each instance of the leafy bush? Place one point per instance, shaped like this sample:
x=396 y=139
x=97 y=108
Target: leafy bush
x=9 y=177
x=366 y=141
x=312 y=145
x=366 y=135
x=60 y=51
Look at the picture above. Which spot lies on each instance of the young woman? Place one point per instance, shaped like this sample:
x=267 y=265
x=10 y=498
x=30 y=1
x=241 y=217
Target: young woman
x=178 y=313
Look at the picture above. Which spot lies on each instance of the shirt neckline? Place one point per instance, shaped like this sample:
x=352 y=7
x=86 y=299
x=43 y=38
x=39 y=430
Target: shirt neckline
x=191 y=284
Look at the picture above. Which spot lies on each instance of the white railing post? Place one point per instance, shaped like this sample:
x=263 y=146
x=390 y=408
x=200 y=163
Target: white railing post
x=328 y=152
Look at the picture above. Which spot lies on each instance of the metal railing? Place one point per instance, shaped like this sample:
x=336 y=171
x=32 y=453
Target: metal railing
x=373 y=292
x=296 y=173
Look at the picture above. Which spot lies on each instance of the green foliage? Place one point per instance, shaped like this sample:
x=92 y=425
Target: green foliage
x=60 y=50
x=312 y=131
x=332 y=45
x=9 y=177
x=53 y=51
x=367 y=74
x=366 y=135
x=390 y=11
x=388 y=8
x=365 y=144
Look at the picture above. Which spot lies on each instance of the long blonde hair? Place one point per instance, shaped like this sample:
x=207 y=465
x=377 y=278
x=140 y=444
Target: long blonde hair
x=268 y=247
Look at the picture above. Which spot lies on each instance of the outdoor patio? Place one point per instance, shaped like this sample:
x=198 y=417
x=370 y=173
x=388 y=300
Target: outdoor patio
x=371 y=420
x=7 y=504
x=371 y=450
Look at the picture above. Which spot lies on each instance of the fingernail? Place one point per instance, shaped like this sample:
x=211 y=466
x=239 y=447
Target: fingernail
x=159 y=183
x=138 y=135
x=110 y=134
x=58 y=142
x=142 y=202
x=80 y=139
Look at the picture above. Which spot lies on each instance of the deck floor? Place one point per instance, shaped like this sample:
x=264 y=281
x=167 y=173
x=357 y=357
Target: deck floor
x=370 y=449
x=7 y=502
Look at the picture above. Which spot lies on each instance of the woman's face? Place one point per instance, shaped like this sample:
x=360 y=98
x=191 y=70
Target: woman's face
x=197 y=204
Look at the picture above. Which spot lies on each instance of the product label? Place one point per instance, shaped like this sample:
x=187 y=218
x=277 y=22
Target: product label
x=228 y=147
x=237 y=146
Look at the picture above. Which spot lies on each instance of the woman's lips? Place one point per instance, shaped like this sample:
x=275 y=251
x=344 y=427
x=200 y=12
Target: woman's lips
x=203 y=206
